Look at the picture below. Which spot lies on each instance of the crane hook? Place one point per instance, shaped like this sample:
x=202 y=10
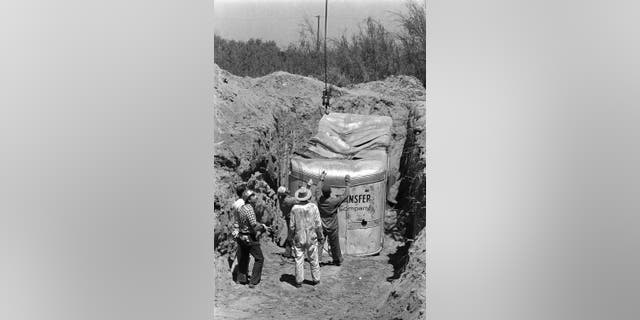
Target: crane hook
x=326 y=95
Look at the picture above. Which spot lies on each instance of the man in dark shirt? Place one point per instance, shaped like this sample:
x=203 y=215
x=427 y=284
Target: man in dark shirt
x=328 y=206
x=286 y=202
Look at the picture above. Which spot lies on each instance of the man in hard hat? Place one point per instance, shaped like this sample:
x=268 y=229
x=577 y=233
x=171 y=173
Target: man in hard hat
x=306 y=228
x=249 y=240
x=328 y=204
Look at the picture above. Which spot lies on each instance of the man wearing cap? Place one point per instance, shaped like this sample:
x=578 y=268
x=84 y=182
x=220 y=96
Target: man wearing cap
x=249 y=240
x=306 y=228
x=328 y=206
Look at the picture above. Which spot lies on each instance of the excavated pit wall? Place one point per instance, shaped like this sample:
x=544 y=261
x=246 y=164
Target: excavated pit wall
x=260 y=121
x=407 y=297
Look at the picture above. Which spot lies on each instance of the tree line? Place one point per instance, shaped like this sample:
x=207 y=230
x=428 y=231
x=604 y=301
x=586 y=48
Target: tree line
x=373 y=53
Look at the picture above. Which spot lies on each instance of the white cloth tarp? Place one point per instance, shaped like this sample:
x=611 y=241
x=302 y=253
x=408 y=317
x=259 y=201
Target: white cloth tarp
x=348 y=136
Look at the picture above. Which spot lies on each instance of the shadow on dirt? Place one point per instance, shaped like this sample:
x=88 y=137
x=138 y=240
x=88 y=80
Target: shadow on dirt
x=399 y=260
x=291 y=279
x=288 y=278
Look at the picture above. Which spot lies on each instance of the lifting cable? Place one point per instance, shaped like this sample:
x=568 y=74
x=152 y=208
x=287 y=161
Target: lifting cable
x=325 y=93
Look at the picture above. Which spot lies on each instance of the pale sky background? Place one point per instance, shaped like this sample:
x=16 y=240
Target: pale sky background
x=280 y=20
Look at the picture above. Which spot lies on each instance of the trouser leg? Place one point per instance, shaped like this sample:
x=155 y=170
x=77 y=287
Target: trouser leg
x=256 y=252
x=298 y=254
x=319 y=247
x=233 y=261
x=243 y=263
x=312 y=254
x=334 y=242
x=325 y=232
x=287 y=242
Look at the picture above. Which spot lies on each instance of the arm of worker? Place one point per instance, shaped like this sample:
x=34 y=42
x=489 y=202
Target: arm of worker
x=290 y=201
x=345 y=196
x=235 y=230
x=257 y=227
x=317 y=193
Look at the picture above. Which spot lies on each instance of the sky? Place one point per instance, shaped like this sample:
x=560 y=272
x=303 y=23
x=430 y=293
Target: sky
x=280 y=20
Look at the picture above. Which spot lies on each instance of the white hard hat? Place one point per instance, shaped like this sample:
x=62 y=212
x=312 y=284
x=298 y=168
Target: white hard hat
x=282 y=190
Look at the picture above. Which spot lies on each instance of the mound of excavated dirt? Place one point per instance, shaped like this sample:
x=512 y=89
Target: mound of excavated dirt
x=259 y=123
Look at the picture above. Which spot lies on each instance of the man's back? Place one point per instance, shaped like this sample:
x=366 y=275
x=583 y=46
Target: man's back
x=246 y=218
x=305 y=221
x=286 y=204
x=328 y=206
x=328 y=203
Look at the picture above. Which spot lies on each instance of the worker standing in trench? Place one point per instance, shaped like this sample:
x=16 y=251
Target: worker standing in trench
x=328 y=206
x=235 y=230
x=306 y=228
x=286 y=202
x=249 y=240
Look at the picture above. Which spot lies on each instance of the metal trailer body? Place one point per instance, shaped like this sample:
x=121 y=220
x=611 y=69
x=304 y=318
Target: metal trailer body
x=354 y=145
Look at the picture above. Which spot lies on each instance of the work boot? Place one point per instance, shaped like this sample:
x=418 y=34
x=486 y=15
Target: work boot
x=298 y=285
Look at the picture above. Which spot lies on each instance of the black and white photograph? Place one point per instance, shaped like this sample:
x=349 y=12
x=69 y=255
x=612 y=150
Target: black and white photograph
x=319 y=167
x=319 y=159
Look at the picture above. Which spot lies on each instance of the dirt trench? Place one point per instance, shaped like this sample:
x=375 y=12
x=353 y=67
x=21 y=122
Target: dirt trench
x=353 y=290
x=258 y=123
